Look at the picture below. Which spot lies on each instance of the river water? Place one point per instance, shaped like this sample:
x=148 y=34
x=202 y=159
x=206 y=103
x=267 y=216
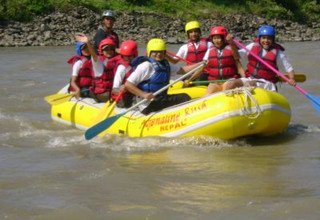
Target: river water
x=49 y=171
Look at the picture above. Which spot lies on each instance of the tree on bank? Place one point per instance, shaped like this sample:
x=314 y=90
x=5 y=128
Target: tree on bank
x=303 y=11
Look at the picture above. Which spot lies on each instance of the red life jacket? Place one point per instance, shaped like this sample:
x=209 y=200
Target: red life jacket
x=84 y=78
x=221 y=66
x=104 y=82
x=196 y=55
x=126 y=64
x=257 y=69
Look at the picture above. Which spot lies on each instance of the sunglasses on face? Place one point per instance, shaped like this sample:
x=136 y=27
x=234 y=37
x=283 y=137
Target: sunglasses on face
x=84 y=48
x=108 y=48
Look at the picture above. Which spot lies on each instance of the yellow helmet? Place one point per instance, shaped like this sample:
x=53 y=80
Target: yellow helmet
x=156 y=44
x=192 y=25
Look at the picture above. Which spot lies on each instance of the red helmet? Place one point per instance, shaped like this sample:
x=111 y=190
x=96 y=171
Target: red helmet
x=106 y=42
x=218 y=30
x=129 y=48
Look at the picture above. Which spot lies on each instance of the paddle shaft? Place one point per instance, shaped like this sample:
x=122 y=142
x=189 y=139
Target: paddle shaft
x=180 y=58
x=106 y=123
x=269 y=66
x=207 y=81
x=165 y=88
x=113 y=105
x=297 y=78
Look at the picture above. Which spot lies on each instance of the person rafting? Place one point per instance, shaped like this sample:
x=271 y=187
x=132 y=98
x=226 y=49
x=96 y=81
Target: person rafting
x=257 y=73
x=81 y=76
x=223 y=62
x=103 y=67
x=105 y=30
x=128 y=51
x=154 y=74
x=194 y=50
x=196 y=47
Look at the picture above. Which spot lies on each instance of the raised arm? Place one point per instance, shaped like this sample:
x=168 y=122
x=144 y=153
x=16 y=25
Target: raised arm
x=85 y=39
x=282 y=58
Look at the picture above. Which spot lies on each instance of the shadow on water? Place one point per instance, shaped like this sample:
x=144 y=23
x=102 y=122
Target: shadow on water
x=293 y=132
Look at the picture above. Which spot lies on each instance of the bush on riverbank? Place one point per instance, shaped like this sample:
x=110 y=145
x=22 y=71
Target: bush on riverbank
x=59 y=27
x=303 y=11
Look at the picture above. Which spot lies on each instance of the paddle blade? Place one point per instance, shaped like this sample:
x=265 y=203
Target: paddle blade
x=315 y=101
x=108 y=108
x=101 y=126
x=104 y=112
x=58 y=98
x=298 y=77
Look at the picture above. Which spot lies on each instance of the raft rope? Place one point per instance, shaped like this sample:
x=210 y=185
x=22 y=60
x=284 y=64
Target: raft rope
x=249 y=98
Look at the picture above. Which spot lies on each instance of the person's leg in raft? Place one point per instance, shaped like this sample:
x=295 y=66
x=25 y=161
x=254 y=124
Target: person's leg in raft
x=212 y=88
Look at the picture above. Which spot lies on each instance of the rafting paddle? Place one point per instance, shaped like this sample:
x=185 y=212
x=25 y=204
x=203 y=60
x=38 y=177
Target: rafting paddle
x=58 y=98
x=180 y=58
x=314 y=99
x=108 y=108
x=205 y=82
x=106 y=123
x=298 y=77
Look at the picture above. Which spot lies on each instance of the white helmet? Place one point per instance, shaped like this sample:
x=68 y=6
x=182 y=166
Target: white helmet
x=109 y=13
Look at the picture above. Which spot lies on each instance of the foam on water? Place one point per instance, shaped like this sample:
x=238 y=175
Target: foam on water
x=299 y=129
x=313 y=129
x=53 y=135
x=66 y=139
x=120 y=143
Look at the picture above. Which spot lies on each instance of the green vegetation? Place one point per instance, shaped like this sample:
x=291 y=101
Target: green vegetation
x=297 y=10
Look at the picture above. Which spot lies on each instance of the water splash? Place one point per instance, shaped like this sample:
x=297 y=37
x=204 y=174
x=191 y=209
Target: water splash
x=127 y=144
x=299 y=129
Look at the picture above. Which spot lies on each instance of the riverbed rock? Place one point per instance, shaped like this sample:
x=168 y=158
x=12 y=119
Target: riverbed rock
x=58 y=28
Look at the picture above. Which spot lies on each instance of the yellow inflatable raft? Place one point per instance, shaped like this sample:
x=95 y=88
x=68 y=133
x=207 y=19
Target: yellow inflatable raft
x=225 y=115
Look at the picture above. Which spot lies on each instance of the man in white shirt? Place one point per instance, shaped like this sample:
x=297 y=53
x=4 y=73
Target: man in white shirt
x=154 y=74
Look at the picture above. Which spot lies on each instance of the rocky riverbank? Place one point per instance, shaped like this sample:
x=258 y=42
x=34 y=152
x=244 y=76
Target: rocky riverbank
x=58 y=28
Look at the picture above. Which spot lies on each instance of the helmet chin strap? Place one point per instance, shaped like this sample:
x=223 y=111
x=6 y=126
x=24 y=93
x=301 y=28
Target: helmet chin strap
x=107 y=28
